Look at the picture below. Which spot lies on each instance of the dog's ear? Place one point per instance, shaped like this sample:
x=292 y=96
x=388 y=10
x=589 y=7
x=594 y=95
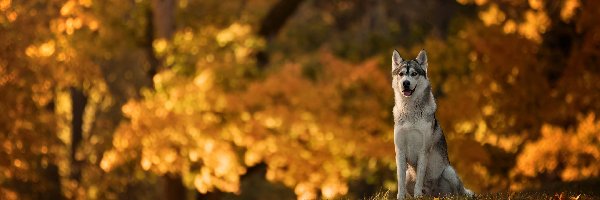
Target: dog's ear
x=422 y=59
x=396 y=59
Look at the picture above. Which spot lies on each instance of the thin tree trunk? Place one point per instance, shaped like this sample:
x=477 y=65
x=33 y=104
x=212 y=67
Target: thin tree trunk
x=149 y=49
x=164 y=18
x=161 y=25
x=51 y=172
x=79 y=101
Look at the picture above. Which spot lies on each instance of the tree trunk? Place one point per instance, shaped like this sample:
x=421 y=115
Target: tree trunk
x=51 y=172
x=164 y=18
x=148 y=48
x=174 y=188
x=78 y=101
x=161 y=25
x=54 y=190
x=557 y=43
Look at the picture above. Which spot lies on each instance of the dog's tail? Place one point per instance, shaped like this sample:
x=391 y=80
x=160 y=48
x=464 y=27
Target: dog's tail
x=464 y=191
x=468 y=192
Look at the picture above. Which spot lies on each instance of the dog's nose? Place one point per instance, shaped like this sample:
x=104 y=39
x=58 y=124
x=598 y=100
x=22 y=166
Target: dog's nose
x=406 y=84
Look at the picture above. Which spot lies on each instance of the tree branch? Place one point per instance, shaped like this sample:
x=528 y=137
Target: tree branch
x=273 y=22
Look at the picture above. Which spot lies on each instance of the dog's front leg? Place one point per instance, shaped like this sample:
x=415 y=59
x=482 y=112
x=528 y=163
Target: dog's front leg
x=400 y=163
x=422 y=165
x=401 y=170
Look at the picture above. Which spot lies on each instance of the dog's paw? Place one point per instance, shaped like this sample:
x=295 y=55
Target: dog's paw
x=401 y=196
x=418 y=193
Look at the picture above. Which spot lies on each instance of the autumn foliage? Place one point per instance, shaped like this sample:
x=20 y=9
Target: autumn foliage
x=165 y=99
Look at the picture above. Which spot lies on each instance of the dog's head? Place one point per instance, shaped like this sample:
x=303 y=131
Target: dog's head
x=409 y=77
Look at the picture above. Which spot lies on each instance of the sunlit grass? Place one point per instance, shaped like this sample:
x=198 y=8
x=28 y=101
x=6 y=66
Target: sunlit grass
x=387 y=195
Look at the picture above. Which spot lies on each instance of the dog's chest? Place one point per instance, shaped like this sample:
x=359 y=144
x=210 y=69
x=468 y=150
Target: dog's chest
x=414 y=136
x=414 y=143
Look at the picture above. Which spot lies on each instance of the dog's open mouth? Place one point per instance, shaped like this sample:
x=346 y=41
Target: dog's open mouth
x=407 y=92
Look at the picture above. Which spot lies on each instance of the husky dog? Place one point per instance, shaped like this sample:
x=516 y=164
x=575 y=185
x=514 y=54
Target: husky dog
x=421 y=151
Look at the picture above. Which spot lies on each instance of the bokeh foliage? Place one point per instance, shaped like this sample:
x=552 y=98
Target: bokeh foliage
x=267 y=98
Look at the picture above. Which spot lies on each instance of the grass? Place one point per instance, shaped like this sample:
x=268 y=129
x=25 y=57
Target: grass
x=576 y=190
x=388 y=195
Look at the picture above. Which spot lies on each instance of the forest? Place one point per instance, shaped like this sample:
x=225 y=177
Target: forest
x=290 y=99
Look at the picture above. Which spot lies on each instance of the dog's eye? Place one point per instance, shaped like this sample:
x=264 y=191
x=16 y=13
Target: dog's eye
x=413 y=74
x=401 y=74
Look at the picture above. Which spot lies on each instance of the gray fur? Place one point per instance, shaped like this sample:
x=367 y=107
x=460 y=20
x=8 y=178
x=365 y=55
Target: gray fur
x=417 y=133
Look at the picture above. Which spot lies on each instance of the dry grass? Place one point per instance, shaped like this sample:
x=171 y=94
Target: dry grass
x=388 y=195
x=576 y=190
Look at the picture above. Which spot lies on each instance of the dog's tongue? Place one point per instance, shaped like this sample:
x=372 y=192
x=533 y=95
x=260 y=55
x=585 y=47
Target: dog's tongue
x=407 y=92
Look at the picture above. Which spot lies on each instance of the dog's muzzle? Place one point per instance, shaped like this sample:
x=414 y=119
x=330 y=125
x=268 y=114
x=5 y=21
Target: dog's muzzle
x=406 y=91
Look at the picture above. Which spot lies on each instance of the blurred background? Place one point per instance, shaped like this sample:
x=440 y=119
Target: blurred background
x=286 y=99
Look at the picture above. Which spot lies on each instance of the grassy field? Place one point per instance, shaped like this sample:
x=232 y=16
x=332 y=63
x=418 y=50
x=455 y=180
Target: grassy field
x=387 y=195
x=580 y=190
